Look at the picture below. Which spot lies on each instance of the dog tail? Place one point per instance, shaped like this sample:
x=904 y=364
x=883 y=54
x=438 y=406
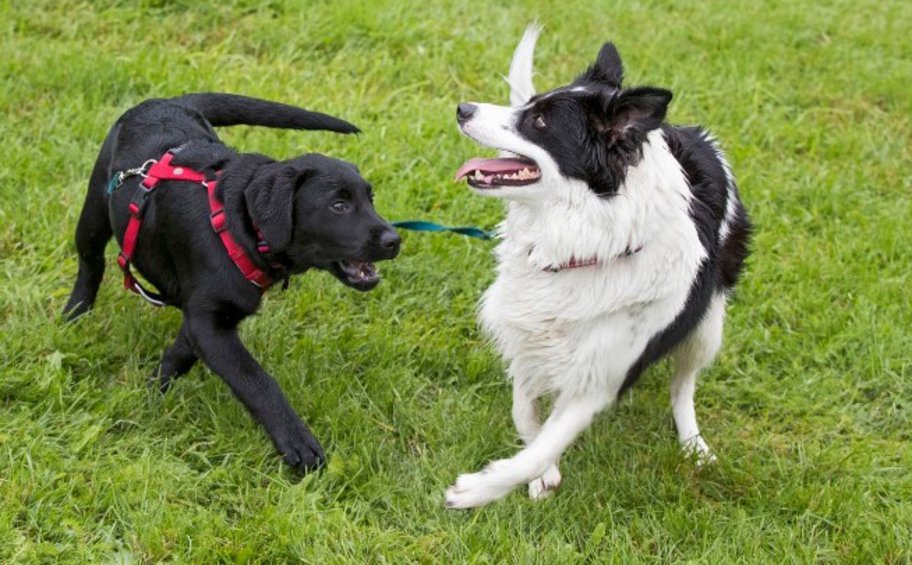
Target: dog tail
x=520 y=77
x=233 y=109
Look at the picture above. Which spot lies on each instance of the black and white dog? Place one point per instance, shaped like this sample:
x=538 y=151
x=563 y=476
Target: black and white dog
x=623 y=238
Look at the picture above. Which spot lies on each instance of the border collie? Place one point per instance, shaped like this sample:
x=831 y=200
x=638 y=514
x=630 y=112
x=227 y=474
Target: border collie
x=623 y=238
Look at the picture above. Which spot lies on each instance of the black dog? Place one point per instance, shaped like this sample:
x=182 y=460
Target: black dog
x=312 y=211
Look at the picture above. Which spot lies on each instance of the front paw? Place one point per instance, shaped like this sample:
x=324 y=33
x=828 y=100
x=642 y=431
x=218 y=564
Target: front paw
x=160 y=379
x=300 y=449
x=477 y=489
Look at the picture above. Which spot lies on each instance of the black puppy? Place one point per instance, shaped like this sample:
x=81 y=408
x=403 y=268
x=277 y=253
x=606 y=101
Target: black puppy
x=312 y=212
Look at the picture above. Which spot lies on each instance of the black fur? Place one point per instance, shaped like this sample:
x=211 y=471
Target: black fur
x=314 y=211
x=720 y=270
x=607 y=70
x=593 y=129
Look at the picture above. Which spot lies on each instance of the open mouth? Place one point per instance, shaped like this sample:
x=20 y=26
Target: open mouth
x=362 y=275
x=495 y=173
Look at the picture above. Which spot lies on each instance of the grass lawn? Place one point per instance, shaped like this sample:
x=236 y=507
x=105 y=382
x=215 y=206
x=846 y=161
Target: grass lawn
x=809 y=406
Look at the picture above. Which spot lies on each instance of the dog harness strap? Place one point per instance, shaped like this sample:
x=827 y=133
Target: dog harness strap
x=237 y=254
x=137 y=208
x=163 y=170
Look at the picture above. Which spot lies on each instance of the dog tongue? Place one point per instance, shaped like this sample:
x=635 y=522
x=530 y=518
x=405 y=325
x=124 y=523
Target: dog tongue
x=490 y=166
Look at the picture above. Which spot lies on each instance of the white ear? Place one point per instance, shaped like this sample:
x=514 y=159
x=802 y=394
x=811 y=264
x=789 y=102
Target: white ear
x=520 y=79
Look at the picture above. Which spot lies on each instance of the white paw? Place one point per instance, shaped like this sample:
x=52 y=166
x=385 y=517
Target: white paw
x=696 y=447
x=477 y=489
x=546 y=484
x=705 y=458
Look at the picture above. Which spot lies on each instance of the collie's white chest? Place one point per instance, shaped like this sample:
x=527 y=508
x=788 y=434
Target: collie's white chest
x=584 y=327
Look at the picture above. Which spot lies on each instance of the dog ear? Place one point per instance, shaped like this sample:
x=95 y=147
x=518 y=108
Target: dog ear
x=270 y=202
x=607 y=70
x=634 y=111
x=622 y=122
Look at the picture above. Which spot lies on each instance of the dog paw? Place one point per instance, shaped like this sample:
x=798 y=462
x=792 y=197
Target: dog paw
x=472 y=490
x=543 y=486
x=695 y=447
x=159 y=380
x=300 y=450
x=705 y=459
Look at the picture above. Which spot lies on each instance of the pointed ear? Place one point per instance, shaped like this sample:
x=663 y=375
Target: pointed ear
x=607 y=70
x=270 y=202
x=634 y=111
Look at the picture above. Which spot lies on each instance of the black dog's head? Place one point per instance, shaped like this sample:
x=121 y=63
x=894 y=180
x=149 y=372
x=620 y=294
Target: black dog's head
x=315 y=211
x=591 y=130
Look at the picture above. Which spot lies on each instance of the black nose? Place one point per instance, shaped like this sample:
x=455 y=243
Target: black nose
x=465 y=111
x=389 y=241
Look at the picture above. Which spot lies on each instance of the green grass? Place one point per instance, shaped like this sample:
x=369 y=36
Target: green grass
x=809 y=405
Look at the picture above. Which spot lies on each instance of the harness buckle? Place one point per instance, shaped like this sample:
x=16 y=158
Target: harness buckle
x=140 y=199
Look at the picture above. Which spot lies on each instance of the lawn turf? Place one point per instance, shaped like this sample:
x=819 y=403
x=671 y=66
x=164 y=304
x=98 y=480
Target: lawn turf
x=808 y=406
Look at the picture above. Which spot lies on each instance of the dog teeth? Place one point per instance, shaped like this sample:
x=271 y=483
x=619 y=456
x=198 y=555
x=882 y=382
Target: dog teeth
x=520 y=175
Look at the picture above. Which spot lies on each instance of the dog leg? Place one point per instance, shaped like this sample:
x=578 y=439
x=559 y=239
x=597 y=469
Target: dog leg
x=92 y=235
x=175 y=362
x=570 y=417
x=220 y=348
x=526 y=420
x=691 y=357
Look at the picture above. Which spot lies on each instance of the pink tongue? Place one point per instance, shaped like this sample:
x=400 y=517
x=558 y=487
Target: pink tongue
x=493 y=166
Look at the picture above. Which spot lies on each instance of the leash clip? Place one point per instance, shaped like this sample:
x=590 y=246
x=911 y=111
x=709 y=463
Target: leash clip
x=121 y=176
x=143 y=170
x=140 y=171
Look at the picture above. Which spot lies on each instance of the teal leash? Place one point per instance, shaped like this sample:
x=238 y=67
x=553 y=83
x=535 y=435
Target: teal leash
x=419 y=225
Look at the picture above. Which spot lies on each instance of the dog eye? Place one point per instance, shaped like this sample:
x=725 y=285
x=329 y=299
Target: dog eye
x=539 y=122
x=340 y=207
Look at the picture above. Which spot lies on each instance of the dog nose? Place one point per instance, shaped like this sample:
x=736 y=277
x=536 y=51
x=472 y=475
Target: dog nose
x=465 y=111
x=389 y=241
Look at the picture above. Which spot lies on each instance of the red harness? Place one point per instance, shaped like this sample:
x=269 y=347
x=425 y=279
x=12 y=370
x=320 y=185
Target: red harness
x=160 y=170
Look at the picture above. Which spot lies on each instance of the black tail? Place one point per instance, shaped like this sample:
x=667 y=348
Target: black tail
x=233 y=109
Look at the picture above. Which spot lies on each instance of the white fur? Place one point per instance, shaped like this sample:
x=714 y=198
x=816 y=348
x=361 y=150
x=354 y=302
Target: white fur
x=576 y=333
x=520 y=78
x=691 y=356
x=731 y=202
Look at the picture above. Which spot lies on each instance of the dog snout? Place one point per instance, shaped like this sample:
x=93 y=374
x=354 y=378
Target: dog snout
x=465 y=111
x=390 y=242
